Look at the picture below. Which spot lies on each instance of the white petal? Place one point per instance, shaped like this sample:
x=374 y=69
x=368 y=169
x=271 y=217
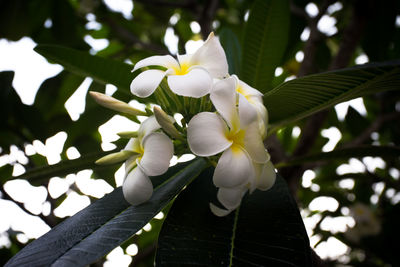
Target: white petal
x=223 y=97
x=267 y=177
x=147 y=82
x=247 y=112
x=148 y=126
x=206 y=134
x=262 y=119
x=248 y=90
x=218 y=211
x=137 y=187
x=196 y=83
x=184 y=59
x=254 y=145
x=211 y=56
x=234 y=168
x=231 y=197
x=158 y=151
x=130 y=163
x=133 y=145
x=164 y=61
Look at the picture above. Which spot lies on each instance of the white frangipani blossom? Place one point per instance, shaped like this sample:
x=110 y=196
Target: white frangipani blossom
x=234 y=133
x=152 y=152
x=244 y=163
x=190 y=75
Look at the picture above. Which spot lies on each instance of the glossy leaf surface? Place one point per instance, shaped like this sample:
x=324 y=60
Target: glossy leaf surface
x=266 y=230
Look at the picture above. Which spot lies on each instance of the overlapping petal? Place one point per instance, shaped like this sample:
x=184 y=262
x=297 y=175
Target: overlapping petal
x=223 y=97
x=196 y=83
x=247 y=112
x=254 y=145
x=158 y=151
x=267 y=177
x=234 y=168
x=206 y=134
x=148 y=126
x=248 y=91
x=147 y=82
x=166 y=61
x=137 y=187
x=231 y=197
x=218 y=211
x=130 y=163
x=133 y=145
x=212 y=57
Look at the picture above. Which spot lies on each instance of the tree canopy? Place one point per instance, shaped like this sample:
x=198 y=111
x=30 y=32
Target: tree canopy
x=306 y=58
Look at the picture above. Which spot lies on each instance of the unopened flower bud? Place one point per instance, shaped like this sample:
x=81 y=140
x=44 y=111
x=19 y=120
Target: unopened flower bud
x=167 y=123
x=115 y=157
x=115 y=104
x=128 y=134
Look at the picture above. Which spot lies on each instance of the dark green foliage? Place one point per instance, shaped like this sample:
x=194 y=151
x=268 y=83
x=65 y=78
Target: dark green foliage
x=266 y=230
x=96 y=230
x=264 y=42
x=302 y=97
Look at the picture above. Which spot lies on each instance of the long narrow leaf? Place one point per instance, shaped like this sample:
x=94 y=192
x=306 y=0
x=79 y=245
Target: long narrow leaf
x=96 y=230
x=266 y=230
x=302 y=97
x=264 y=42
x=83 y=64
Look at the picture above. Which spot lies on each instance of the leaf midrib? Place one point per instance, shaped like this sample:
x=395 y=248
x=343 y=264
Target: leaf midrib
x=235 y=221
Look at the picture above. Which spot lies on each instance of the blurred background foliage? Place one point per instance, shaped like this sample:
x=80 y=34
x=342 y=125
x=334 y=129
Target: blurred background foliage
x=366 y=199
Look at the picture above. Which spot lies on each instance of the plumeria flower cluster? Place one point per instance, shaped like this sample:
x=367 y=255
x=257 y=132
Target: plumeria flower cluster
x=224 y=120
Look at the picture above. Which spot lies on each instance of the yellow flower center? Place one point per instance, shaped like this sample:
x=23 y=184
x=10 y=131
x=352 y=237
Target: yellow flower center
x=137 y=147
x=243 y=92
x=184 y=67
x=237 y=138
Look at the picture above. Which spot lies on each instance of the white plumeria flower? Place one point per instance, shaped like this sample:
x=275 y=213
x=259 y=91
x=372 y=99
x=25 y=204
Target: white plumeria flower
x=153 y=152
x=230 y=198
x=255 y=98
x=190 y=75
x=235 y=132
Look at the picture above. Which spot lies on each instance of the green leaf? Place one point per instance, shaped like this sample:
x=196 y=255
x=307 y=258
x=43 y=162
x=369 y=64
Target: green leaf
x=96 y=230
x=83 y=64
x=299 y=98
x=266 y=230
x=265 y=41
x=346 y=153
x=231 y=45
x=38 y=174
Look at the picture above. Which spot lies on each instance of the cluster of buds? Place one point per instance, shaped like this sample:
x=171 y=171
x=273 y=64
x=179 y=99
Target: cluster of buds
x=224 y=120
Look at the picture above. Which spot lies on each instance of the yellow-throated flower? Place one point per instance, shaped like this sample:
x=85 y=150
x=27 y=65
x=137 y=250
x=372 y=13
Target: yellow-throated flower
x=190 y=75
